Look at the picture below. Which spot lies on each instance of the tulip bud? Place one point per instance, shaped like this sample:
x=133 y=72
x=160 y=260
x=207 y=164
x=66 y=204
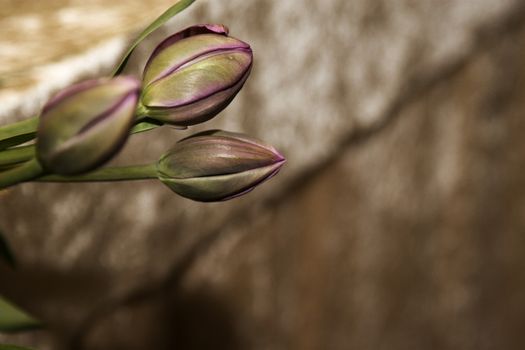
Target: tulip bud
x=217 y=165
x=85 y=124
x=194 y=74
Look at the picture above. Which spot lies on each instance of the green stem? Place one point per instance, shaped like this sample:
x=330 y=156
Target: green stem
x=141 y=111
x=25 y=172
x=124 y=173
x=17 y=133
x=17 y=155
x=19 y=128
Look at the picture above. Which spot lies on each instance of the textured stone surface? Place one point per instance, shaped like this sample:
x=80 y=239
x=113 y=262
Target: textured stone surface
x=397 y=222
x=411 y=239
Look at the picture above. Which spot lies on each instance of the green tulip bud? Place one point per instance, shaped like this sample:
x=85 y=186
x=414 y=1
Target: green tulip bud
x=86 y=124
x=194 y=74
x=217 y=165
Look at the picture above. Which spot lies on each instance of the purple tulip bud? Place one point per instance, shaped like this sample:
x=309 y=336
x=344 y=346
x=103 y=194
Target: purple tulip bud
x=194 y=74
x=217 y=165
x=85 y=124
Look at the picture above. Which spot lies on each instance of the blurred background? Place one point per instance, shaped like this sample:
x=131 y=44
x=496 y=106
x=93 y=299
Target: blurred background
x=398 y=221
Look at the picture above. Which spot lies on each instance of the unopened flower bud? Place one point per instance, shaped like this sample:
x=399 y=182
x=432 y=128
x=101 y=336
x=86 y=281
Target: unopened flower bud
x=85 y=124
x=217 y=165
x=194 y=74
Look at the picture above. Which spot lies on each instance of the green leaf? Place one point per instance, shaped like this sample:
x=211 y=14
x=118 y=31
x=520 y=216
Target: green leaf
x=172 y=11
x=145 y=125
x=16 y=155
x=12 y=347
x=12 y=319
x=16 y=133
x=5 y=252
x=16 y=140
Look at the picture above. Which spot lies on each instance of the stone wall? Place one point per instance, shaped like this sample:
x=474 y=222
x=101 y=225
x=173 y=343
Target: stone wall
x=397 y=223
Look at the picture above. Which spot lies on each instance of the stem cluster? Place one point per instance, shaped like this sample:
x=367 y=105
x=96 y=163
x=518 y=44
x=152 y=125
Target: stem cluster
x=18 y=162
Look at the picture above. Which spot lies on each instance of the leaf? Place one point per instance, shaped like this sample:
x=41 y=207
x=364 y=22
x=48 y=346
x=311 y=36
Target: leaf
x=169 y=13
x=145 y=125
x=16 y=140
x=12 y=319
x=17 y=133
x=5 y=252
x=12 y=347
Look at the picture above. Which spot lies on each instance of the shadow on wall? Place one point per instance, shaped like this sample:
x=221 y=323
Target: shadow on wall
x=194 y=320
x=202 y=320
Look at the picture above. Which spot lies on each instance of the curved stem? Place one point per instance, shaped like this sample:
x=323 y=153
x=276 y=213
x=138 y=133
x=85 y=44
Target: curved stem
x=124 y=173
x=24 y=172
x=140 y=111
